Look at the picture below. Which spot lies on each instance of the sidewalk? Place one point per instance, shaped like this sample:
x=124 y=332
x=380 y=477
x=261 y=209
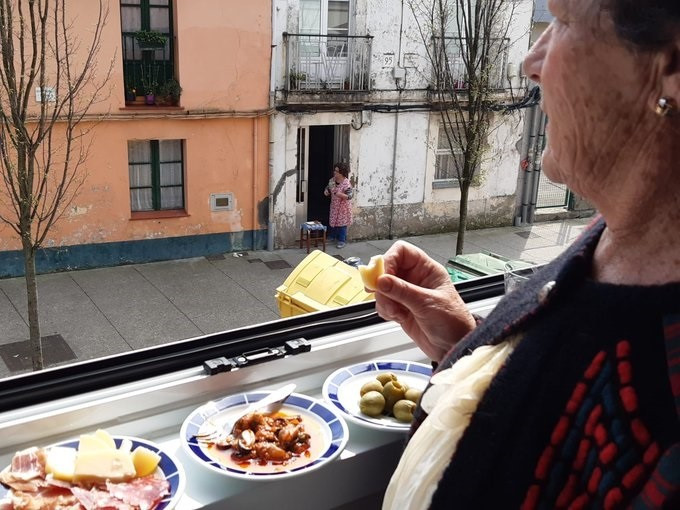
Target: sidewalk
x=100 y=312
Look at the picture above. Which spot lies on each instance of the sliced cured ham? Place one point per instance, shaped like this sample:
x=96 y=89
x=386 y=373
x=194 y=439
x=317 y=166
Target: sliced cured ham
x=144 y=493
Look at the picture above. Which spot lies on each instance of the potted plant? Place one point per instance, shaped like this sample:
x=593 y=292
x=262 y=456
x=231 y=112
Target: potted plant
x=130 y=95
x=170 y=91
x=150 y=39
x=150 y=84
x=296 y=79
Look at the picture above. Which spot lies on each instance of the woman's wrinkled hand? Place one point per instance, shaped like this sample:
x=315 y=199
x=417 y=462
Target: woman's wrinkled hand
x=417 y=293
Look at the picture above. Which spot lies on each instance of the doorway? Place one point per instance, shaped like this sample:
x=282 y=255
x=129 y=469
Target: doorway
x=319 y=147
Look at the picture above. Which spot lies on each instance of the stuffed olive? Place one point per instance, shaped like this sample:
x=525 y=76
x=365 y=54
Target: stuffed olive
x=372 y=403
x=392 y=392
x=373 y=385
x=386 y=377
x=413 y=394
x=403 y=410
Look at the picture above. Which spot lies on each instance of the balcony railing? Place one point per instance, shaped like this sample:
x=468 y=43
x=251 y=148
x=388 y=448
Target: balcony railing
x=316 y=63
x=144 y=67
x=455 y=74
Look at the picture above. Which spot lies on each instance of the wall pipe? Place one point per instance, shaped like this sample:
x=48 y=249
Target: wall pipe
x=536 y=174
x=272 y=93
x=528 y=173
x=523 y=158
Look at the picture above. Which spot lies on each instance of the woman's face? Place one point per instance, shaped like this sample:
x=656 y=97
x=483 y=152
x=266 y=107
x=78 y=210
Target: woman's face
x=595 y=92
x=337 y=175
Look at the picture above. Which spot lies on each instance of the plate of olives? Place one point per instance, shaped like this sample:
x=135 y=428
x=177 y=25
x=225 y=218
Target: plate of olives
x=379 y=394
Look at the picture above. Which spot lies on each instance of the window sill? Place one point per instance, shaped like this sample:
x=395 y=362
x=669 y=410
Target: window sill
x=152 y=215
x=135 y=107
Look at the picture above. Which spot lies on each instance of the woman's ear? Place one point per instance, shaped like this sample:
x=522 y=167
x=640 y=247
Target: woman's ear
x=670 y=72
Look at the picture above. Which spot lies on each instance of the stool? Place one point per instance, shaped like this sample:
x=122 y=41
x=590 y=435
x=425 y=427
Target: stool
x=313 y=232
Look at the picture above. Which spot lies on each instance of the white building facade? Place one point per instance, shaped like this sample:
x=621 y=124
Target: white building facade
x=351 y=82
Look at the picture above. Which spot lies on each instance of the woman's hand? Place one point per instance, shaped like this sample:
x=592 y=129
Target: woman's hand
x=417 y=292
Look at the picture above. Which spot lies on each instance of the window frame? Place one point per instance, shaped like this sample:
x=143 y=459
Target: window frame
x=156 y=186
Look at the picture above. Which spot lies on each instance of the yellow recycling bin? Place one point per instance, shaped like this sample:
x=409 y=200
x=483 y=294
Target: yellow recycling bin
x=320 y=282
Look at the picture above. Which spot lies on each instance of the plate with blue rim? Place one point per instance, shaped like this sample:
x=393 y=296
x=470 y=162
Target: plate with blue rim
x=326 y=426
x=168 y=468
x=342 y=389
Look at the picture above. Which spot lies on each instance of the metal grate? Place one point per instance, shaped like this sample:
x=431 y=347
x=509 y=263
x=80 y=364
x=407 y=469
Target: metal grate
x=17 y=355
x=551 y=194
x=277 y=264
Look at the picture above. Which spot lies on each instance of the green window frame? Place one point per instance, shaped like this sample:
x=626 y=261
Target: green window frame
x=156 y=171
x=143 y=67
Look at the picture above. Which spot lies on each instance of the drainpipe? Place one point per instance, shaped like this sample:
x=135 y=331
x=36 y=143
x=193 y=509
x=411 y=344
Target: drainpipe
x=535 y=178
x=272 y=98
x=528 y=149
x=390 y=234
x=523 y=161
x=256 y=168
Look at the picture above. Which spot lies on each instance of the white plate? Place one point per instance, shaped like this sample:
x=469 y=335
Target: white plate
x=326 y=421
x=341 y=389
x=168 y=466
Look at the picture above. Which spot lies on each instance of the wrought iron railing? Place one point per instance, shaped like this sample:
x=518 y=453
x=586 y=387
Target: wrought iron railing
x=147 y=68
x=454 y=72
x=327 y=62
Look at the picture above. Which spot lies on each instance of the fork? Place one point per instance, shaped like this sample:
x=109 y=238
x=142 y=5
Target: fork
x=218 y=429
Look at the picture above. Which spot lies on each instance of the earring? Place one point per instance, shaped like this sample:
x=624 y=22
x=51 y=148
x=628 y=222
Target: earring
x=665 y=106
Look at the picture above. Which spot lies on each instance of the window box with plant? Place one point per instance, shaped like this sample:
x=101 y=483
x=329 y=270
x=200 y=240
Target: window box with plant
x=150 y=39
x=169 y=93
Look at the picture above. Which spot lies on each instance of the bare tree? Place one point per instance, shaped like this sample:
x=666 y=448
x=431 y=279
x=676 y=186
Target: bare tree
x=48 y=82
x=466 y=43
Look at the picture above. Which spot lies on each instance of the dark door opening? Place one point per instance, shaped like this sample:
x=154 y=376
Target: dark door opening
x=327 y=146
x=320 y=169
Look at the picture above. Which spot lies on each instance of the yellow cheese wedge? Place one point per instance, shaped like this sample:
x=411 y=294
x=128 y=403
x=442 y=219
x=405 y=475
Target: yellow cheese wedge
x=102 y=465
x=91 y=442
x=145 y=461
x=369 y=274
x=106 y=438
x=61 y=462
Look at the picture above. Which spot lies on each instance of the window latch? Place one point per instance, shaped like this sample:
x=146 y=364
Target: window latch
x=224 y=364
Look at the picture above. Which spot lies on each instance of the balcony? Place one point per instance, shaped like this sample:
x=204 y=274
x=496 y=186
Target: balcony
x=454 y=75
x=145 y=68
x=327 y=63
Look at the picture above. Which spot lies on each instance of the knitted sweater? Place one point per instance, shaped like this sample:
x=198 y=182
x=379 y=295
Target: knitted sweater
x=585 y=411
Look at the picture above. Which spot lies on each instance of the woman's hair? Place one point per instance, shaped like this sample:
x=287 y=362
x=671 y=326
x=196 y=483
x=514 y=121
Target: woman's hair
x=647 y=24
x=343 y=168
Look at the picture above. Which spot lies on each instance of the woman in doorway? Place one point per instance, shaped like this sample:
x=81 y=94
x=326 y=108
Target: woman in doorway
x=340 y=191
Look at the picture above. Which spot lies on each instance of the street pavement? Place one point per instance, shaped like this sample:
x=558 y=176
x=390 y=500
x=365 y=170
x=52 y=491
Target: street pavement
x=102 y=312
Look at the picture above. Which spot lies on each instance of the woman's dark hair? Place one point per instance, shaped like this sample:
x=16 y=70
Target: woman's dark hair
x=343 y=168
x=648 y=24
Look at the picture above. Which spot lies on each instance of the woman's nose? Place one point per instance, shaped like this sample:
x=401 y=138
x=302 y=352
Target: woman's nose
x=533 y=62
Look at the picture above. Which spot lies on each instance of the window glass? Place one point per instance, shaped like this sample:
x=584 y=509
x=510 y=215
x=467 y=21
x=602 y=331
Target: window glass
x=156 y=174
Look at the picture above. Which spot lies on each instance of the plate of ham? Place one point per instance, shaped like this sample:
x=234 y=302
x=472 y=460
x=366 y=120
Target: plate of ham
x=95 y=471
x=302 y=435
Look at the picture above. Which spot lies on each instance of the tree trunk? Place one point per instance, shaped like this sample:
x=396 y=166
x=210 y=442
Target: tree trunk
x=32 y=300
x=462 y=217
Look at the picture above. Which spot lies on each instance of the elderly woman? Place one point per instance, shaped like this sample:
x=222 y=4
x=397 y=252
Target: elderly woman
x=568 y=394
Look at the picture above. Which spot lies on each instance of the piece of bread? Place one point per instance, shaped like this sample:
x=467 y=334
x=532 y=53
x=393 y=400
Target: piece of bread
x=371 y=272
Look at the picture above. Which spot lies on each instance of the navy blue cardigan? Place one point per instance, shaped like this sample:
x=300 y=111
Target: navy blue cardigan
x=585 y=412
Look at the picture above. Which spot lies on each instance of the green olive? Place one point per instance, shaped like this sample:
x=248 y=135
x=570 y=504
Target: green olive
x=413 y=394
x=403 y=410
x=392 y=392
x=371 y=386
x=372 y=403
x=386 y=377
